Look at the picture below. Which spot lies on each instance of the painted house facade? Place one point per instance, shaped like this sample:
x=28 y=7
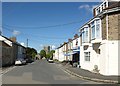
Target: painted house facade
x=100 y=38
x=99 y=41
x=76 y=50
x=61 y=53
x=56 y=56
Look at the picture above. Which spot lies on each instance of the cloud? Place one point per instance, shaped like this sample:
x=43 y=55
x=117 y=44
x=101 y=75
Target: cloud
x=23 y=44
x=53 y=47
x=87 y=7
x=41 y=45
x=15 y=32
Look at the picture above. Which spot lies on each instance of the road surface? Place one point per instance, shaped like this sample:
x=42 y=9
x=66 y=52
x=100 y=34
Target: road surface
x=40 y=72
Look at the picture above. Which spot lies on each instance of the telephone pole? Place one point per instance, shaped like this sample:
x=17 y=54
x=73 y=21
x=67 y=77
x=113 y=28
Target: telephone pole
x=27 y=42
x=1 y=30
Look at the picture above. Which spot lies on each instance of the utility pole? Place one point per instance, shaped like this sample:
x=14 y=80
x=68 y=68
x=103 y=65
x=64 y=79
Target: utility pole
x=27 y=42
x=1 y=30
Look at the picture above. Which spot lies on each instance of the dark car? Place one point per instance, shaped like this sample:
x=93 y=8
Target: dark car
x=29 y=60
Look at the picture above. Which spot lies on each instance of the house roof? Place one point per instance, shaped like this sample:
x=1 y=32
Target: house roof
x=113 y=8
x=5 y=43
x=12 y=41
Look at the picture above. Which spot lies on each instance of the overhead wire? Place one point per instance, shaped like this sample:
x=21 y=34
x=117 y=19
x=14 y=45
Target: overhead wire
x=39 y=27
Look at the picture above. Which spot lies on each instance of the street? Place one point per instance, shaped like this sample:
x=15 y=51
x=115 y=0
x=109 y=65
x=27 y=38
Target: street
x=40 y=72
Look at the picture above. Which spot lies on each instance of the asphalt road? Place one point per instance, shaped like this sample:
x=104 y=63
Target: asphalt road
x=40 y=72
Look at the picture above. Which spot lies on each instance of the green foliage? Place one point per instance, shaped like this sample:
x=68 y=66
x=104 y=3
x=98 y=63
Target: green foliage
x=47 y=55
x=51 y=54
x=42 y=53
x=31 y=52
x=52 y=51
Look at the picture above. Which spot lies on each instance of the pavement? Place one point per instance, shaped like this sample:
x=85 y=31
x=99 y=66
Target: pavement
x=88 y=75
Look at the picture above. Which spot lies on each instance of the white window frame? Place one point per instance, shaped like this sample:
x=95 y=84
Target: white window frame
x=97 y=37
x=87 y=56
x=92 y=30
x=100 y=7
x=100 y=28
x=84 y=30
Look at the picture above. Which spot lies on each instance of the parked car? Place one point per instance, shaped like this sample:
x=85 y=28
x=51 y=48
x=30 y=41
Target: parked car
x=50 y=61
x=29 y=60
x=20 y=62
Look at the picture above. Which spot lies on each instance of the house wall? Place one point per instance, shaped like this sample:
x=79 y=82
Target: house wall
x=86 y=64
x=56 y=54
x=6 y=56
x=61 y=55
x=113 y=58
x=0 y=56
x=74 y=43
x=108 y=58
x=113 y=23
x=104 y=30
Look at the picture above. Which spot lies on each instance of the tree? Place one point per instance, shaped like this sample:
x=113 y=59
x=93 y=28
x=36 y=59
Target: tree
x=52 y=51
x=31 y=52
x=47 y=56
x=42 y=53
x=51 y=54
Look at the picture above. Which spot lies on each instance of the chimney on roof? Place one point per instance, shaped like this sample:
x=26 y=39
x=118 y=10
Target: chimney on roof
x=13 y=39
x=94 y=12
x=69 y=40
x=76 y=36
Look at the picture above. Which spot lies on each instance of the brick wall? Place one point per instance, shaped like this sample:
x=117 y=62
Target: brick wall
x=113 y=26
x=119 y=26
x=104 y=30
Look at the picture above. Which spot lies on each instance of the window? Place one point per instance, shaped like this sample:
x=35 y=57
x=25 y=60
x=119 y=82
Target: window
x=102 y=8
x=105 y=5
x=87 y=56
x=86 y=34
x=98 y=28
x=93 y=29
x=98 y=51
x=98 y=10
x=83 y=36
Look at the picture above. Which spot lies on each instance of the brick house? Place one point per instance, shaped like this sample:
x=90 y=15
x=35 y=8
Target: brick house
x=100 y=39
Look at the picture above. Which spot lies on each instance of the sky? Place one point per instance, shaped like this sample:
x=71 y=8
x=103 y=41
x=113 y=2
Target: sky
x=44 y=23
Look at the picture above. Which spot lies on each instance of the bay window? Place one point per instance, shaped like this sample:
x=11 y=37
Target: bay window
x=98 y=28
x=85 y=35
x=93 y=29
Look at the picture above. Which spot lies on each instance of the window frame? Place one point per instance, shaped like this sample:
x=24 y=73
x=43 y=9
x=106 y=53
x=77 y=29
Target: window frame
x=87 y=56
x=93 y=25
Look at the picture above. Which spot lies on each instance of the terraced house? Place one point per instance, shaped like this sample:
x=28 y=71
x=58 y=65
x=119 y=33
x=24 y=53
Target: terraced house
x=100 y=40
x=97 y=47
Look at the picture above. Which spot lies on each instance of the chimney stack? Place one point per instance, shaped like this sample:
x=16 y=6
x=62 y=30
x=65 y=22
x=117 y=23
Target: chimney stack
x=69 y=40
x=13 y=39
x=76 y=36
